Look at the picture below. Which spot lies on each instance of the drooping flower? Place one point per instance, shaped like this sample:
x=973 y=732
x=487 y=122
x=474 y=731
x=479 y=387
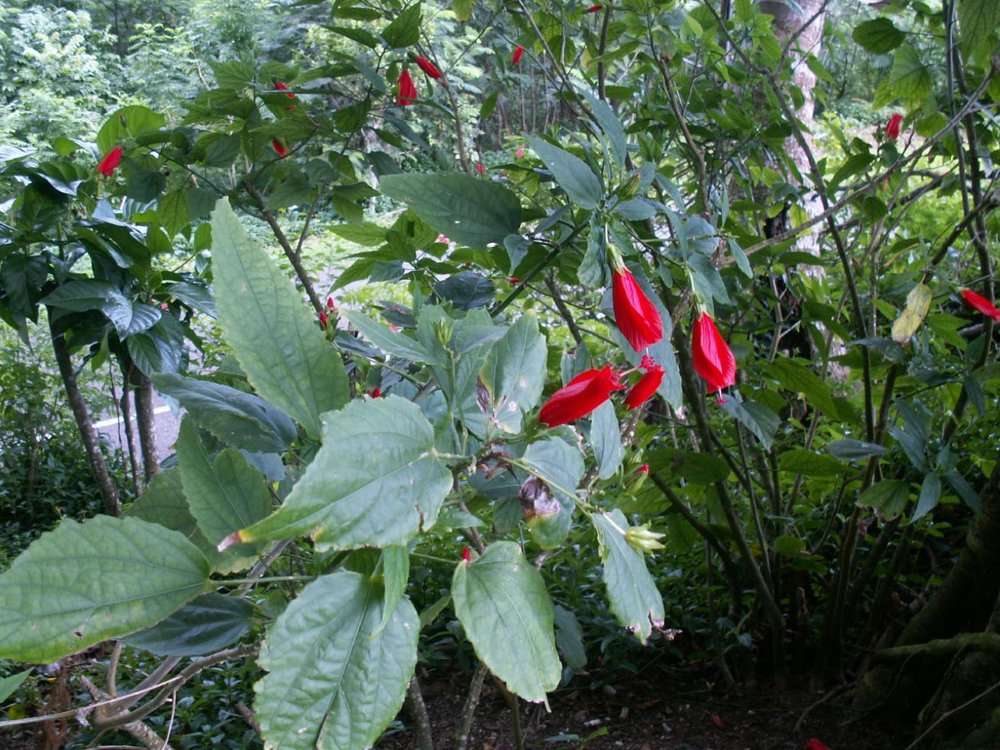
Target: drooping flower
x=282 y=86
x=595 y=8
x=648 y=384
x=637 y=318
x=375 y=393
x=644 y=469
x=480 y=168
x=406 y=91
x=815 y=744
x=979 y=302
x=892 y=127
x=711 y=356
x=466 y=554
x=428 y=67
x=515 y=58
x=279 y=148
x=110 y=162
x=580 y=396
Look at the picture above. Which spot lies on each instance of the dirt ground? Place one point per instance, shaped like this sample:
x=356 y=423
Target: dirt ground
x=684 y=714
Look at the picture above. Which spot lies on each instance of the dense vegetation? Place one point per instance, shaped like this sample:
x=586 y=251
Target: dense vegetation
x=525 y=350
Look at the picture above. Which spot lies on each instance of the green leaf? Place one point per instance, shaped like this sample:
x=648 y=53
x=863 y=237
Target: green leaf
x=852 y=450
x=463 y=9
x=389 y=341
x=84 y=583
x=224 y=495
x=209 y=623
x=611 y=126
x=802 y=461
x=930 y=494
x=801 y=380
x=404 y=30
x=888 y=496
x=634 y=598
x=759 y=419
x=8 y=685
x=501 y=601
x=336 y=679
x=514 y=373
x=374 y=482
x=81 y=295
x=395 y=574
x=978 y=21
x=469 y=210
x=698 y=468
x=237 y=418
x=369 y=235
x=593 y=270
x=573 y=175
x=127 y=122
x=911 y=80
x=918 y=304
x=173 y=212
x=163 y=503
x=878 y=35
x=605 y=438
x=276 y=339
x=569 y=638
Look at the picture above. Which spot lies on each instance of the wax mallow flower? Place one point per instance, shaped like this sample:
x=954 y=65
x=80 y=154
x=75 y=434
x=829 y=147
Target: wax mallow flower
x=580 y=396
x=515 y=58
x=711 y=356
x=815 y=744
x=406 y=91
x=979 y=302
x=637 y=318
x=595 y=8
x=892 y=127
x=646 y=388
x=279 y=148
x=282 y=86
x=110 y=162
x=428 y=67
x=480 y=168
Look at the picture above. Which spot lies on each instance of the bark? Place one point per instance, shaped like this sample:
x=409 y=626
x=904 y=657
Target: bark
x=88 y=435
x=469 y=710
x=418 y=712
x=146 y=421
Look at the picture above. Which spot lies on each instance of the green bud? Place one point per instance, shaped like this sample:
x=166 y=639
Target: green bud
x=642 y=539
x=443 y=329
x=631 y=187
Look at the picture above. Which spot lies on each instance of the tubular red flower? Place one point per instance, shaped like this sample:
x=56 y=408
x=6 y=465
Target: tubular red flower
x=637 y=317
x=515 y=58
x=406 y=91
x=580 y=396
x=596 y=8
x=282 y=86
x=279 y=148
x=466 y=554
x=982 y=304
x=375 y=393
x=711 y=356
x=428 y=67
x=110 y=162
x=644 y=469
x=815 y=744
x=892 y=127
x=646 y=388
x=480 y=168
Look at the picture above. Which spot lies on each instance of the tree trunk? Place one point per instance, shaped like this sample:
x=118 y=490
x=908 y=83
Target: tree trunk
x=88 y=435
x=147 y=424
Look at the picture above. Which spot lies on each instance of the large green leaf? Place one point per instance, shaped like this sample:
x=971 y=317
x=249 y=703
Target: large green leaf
x=209 y=623
x=514 y=373
x=878 y=35
x=911 y=80
x=634 y=598
x=572 y=173
x=84 y=583
x=336 y=677
x=9 y=685
x=235 y=417
x=276 y=339
x=224 y=495
x=502 y=603
x=979 y=21
x=469 y=210
x=404 y=29
x=163 y=503
x=374 y=482
x=127 y=122
x=389 y=341
x=606 y=440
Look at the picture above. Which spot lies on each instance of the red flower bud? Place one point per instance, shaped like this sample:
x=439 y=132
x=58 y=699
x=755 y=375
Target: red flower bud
x=466 y=554
x=580 y=396
x=279 y=148
x=637 y=317
x=110 y=162
x=480 y=168
x=711 y=356
x=375 y=393
x=324 y=320
x=644 y=469
x=428 y=67
x=406 y=91
x=982 y=304
x=647 y=386
x=330 y=304
x=282 y=86
x=815 y=744
x=513 y=280
x=596 y=8
x=515 y=58
x=892 y=127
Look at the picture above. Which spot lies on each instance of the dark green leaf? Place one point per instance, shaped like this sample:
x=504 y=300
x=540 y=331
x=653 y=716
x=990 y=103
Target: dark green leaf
x=573 y=175
x=209 y=623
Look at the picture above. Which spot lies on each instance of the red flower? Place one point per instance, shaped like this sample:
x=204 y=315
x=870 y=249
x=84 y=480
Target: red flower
x=279 y=148
x=815 y=744
x=982 y=304
x=480 y=168
x=428 y=67
x=515 y=59
x=331 y=305
x=647 y=386
x=580 y=396
x=892 y=127
x=110 y=162
x=711 y=355
x=513 y=280
x=324 y=320
x=644 y=469
x=596 y=8
x=375 y=393
x=466 y=554
x=637 y=317
x=282 y=86
x=406 y=92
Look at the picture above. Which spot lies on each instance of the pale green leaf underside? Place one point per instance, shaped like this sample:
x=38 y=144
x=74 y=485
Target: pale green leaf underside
x=336 y=679
x=634 y=598
x=514 y=373
x=502 y=603
x=84 y=583
x=275 y=337
x=375 y=481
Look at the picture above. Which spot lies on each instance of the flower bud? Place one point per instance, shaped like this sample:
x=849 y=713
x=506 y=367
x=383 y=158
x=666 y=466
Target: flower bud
x=443 y=329
x=642 y=539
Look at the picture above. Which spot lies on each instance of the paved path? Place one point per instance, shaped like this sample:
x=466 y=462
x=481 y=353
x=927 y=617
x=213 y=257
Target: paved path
x=166 y=426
